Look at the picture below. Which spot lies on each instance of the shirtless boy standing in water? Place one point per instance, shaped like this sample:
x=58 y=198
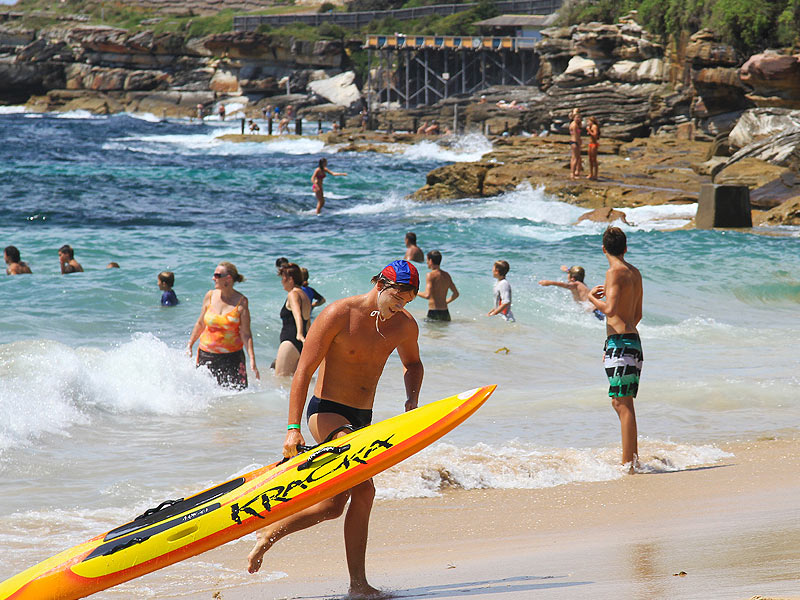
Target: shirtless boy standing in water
x=349 y=342
x=437 y=284
x=620 y=298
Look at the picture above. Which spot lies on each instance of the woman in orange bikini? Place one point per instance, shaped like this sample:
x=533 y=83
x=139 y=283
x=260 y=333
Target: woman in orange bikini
x=316 y=181
x=224 y=330
x=593 y=129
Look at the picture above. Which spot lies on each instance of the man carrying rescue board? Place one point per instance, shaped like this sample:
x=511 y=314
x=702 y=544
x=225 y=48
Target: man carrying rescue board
x=349 y=342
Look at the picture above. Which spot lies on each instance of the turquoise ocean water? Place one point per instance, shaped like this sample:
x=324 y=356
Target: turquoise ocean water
x=103 y=415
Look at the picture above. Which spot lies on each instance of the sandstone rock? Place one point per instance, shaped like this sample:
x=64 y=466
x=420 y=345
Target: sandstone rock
x=787 y=213
x=774 y=79
x=584 y=68
x=596 y=40
x=190 y=100
x=193 y=79
x=461 y=180
x=776 y=192
x=16 y=36
x=340 y=89
x=704 y=50
x=42 y=50
x=75 y=74
x=759 y=123
x=224 y=82
x=751 y=172
x=19 y=81
x=328 y=112
x=782 y=149
x=104 y=80
x=146 y=80
x=603 y=215
x=719 y=89
x=623 y=110
x=99 y=104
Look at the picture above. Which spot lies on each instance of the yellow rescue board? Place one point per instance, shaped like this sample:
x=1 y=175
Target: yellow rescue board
x=178 y=530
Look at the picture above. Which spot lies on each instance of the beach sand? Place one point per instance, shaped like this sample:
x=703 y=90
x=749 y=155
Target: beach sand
x=732 y=528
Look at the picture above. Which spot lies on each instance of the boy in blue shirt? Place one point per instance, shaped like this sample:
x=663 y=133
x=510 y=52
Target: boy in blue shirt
x=166 y=279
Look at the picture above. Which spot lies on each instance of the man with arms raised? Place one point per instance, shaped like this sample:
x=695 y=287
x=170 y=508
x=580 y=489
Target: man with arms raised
x=349 y=342
x=437 y=284
x=620 y=299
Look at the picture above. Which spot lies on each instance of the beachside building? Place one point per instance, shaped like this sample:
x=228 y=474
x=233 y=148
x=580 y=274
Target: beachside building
x=414 y=70
x=518 y=26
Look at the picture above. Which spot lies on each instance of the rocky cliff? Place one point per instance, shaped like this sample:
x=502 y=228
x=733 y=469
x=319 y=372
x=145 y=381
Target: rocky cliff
x=109 y=70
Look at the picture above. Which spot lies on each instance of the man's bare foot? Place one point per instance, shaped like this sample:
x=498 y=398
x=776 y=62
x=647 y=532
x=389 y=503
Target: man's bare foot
x=364 y=591
x=256 y=555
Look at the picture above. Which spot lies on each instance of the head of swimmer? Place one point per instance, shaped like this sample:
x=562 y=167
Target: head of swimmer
x=291 y=276
x=576 y=273
x=225 y=275
x=392 y=297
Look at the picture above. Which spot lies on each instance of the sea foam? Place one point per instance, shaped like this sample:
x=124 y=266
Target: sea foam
x=47 y=387
x=468 y=148
x=521 y=465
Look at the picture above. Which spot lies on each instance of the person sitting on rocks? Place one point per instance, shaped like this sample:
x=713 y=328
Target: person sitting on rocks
x=433 y=128
x=422 y=128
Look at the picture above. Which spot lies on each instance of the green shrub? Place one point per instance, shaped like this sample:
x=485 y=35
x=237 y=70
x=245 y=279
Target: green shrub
x=748 y=25
x=788 y=33
x=332 y=31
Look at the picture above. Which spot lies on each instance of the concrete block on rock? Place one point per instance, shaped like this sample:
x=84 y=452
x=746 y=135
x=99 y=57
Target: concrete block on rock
x=723 y=206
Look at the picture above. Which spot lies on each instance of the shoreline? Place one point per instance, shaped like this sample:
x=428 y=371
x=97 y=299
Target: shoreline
x=731 y=527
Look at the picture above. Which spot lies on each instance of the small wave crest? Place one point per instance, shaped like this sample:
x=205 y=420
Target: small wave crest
x=468 y=148
x=81 y=115
x=12 y=110
x=519 y=465
x=46 y=387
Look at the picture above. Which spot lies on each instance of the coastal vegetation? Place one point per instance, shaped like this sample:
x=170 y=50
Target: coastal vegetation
x=750 y=26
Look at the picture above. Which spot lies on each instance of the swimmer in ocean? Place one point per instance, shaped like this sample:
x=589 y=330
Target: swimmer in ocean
x=316 y=181
x=574 y=283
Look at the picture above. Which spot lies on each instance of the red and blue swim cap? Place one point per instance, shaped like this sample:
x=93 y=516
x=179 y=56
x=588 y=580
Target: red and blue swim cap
x=402 y=271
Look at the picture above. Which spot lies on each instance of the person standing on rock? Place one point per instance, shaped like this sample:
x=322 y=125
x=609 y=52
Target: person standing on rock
x=316 y=181
x=575 y=162
x=221 y=112
x=593 y=129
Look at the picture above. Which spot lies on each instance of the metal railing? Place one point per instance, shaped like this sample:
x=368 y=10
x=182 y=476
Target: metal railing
x=354 y=20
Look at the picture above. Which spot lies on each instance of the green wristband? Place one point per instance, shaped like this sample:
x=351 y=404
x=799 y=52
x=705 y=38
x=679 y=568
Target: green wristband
x=293 y=426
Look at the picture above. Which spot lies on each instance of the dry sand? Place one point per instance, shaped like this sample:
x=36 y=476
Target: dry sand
x=733 y=528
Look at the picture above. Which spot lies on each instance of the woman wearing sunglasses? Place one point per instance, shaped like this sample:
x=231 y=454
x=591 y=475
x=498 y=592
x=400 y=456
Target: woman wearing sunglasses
x=224 y=330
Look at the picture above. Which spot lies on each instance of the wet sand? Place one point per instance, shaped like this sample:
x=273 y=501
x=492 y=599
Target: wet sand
x=732 y=528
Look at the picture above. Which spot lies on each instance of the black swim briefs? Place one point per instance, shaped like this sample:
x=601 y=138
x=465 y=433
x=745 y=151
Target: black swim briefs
x=358 y=417
x=438 y=315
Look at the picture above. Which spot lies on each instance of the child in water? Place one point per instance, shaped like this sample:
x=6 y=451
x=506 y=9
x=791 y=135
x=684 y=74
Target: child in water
x=502 y=292
x=166 y=279
x=574 y=283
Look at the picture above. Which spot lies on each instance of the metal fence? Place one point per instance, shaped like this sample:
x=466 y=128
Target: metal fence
x=355 y=20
